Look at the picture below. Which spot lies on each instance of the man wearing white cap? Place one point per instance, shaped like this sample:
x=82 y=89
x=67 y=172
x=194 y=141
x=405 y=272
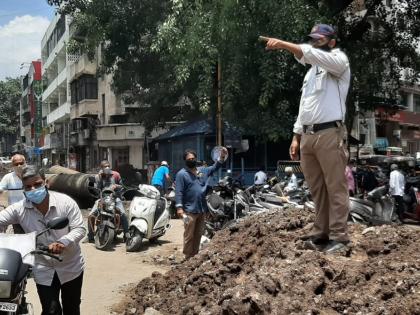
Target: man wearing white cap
x=160 y=177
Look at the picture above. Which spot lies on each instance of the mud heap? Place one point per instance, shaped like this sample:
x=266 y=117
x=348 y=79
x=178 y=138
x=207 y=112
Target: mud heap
x=259 y=267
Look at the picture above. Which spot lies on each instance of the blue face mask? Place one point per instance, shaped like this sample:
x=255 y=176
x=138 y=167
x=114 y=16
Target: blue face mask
x=37 y=195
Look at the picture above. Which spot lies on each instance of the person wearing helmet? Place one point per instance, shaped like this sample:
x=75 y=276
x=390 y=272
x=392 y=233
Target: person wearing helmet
x=107 y=179
x=396 y=188
x=320 y=134
x=160 y=176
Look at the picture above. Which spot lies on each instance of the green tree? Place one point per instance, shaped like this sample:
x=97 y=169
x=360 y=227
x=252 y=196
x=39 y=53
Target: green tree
x=161 y=50
x=10 y=92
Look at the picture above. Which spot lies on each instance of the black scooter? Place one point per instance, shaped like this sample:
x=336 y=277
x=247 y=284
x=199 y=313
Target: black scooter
x=14 y=273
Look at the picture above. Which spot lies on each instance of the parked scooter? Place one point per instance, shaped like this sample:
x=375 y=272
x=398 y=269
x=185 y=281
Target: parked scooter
x=149 y=217
x=108 y=220
x=16 y=266
x=378 y=208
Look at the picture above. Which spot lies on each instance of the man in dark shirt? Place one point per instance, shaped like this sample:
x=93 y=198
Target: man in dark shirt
x=191 y=188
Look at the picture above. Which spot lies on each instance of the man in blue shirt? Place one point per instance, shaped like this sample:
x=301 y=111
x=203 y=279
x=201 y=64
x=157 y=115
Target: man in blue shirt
x=160 y=176
x=190 y=199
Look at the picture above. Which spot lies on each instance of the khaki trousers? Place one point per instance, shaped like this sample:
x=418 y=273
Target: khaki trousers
x=323 y=160
x=193 y=231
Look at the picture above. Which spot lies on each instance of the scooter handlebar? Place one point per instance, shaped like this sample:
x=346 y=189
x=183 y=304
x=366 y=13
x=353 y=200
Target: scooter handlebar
x=43 y=250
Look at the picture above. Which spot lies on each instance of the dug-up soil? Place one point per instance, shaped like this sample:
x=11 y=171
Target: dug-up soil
x=259 y=267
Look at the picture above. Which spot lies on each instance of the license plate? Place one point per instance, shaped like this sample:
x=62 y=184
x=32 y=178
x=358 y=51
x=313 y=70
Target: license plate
x=8 y=307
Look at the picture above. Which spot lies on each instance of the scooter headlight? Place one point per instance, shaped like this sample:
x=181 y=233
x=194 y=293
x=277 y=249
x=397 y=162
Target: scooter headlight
x=5 y=288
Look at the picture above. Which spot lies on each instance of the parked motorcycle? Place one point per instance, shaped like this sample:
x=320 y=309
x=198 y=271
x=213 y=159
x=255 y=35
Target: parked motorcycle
x=16 y=261
x=411 y=199
x=378 y=208
x=108 y=220
x=149 y=217
x=226 y=203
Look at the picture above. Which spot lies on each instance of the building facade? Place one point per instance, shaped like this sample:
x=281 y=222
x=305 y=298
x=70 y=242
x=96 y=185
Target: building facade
x=31 y=132
x=56 y=96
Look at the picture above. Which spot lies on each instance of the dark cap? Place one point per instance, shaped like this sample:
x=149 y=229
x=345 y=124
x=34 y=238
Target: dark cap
x=321 y=31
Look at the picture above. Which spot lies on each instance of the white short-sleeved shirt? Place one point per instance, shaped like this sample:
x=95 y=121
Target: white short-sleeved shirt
x=260 y=178
x=13 y=185
x=325 y=87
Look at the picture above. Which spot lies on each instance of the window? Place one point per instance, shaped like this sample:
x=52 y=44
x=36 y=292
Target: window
x=416 y=103
x=86 y=87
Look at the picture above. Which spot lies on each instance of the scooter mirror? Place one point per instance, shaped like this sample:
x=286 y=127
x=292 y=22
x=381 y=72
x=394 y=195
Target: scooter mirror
x=139 y=176
x=216 y=154
x=58 y=223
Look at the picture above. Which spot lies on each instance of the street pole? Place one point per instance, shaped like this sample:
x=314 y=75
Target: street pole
x=219 y=103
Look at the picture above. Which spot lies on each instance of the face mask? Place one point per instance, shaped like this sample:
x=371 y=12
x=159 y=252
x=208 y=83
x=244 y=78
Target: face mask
x=37 y=195
x=324 y=47
x=191 y=163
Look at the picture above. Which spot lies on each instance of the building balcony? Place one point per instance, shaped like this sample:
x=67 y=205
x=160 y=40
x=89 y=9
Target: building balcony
x=82 y=66
x=55 y=84
x=119 y=132
x=59 y=49
x=59 y=113
x=79 y=138
x=87 y=107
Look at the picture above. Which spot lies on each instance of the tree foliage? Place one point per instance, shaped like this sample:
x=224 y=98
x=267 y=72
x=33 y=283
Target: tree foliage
x=10 y=92
x=161 y=50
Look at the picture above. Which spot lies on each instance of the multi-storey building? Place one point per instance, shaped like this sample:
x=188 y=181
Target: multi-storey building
x=31 y=133
x=56 y=95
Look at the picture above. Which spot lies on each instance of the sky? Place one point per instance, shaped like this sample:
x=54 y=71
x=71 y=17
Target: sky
x=22 y=26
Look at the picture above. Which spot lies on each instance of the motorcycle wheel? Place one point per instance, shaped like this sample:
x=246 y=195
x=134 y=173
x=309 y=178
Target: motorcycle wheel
x=104 y=237
x=133 y=242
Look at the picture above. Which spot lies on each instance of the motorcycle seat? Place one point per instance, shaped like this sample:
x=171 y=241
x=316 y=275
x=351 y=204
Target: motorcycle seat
x=363 y=201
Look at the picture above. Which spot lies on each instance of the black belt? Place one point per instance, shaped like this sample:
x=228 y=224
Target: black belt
x=318 y=127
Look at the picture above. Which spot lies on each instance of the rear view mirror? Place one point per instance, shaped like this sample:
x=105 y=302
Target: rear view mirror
x=139 y=176
x=216 y=154
x=58 y=223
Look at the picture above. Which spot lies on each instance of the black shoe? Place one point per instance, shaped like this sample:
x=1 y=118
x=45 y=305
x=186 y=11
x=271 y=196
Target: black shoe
x=335 y=246
x=315 y=243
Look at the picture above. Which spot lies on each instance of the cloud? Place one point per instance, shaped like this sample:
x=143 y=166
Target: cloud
x=20 y=42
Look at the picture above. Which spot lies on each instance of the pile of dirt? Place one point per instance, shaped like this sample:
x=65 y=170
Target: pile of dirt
x=259 y=267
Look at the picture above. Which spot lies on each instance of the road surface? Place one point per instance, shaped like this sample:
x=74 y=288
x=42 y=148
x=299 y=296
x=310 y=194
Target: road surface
x=109 y=274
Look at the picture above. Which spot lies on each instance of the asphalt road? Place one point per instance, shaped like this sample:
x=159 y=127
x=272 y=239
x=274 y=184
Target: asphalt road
x=109 y=274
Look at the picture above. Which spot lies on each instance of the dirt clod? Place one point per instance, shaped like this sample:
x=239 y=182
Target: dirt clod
x=258 y=267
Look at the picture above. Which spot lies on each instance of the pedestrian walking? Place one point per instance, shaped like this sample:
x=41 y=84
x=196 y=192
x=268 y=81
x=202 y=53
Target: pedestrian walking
x=190 y=199
x=12 y=183
x=160 y=176
x=396 y=189
x=320 y=134
x=51 y=277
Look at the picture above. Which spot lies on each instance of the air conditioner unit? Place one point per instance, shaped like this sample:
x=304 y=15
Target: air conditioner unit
x=86 y=133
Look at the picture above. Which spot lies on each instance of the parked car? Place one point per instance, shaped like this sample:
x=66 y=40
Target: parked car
x=5 y=162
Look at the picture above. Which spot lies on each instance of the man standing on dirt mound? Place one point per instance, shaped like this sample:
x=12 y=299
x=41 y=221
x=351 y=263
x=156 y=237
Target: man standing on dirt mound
x=320 y=134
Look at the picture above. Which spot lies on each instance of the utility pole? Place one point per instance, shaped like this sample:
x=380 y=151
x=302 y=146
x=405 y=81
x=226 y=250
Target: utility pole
x=219 y=104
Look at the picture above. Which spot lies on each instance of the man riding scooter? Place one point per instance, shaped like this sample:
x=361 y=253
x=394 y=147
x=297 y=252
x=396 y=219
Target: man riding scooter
x=107 y=179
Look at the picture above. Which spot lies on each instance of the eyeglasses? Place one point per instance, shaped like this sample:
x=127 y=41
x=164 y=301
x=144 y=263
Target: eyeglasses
x=18 y=163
